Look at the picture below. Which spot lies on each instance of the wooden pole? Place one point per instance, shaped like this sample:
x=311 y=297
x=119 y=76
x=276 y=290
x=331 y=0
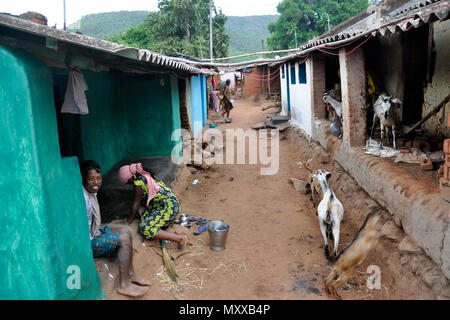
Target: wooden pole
x=242 y=85
x=268 y=81
x=428 y=116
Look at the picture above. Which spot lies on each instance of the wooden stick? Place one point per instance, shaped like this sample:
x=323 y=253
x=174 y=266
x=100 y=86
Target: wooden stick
x=428 y=116
x=170 y=268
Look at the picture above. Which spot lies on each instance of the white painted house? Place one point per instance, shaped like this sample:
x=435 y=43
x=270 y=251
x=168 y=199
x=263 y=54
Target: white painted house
x=296 y=94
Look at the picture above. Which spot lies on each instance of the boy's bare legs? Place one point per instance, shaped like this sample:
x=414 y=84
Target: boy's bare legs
x=126 y=270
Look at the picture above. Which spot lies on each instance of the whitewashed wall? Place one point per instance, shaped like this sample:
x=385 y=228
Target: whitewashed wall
x=300 y=99
x=284 y=99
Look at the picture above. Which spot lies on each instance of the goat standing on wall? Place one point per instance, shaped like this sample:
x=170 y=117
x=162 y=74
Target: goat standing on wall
x=384 y=111
x=330 y=212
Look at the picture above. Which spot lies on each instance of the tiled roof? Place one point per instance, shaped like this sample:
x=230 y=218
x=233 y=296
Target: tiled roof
x=414 y=13
x=96 y=44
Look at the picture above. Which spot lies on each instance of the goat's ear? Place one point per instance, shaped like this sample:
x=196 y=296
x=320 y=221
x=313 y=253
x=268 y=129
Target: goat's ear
x=328 y=176
x=395 y=100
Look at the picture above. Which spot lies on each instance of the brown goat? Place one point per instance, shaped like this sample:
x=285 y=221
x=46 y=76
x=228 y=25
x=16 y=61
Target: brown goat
x=313 y=182
x=366 y=239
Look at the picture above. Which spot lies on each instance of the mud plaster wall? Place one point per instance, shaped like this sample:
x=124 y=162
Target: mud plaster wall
x=150 y=105
x=128 y=116
x=252 y=84
x=103 y=133
x=384 y=63
x=43 y=205
x=439 y=88
x=320 y=131
x=424 y=215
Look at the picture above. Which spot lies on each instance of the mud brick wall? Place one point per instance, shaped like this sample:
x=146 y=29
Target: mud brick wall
x=318 y=83
x=424 y=215
x=353 y=84
x=438 y=88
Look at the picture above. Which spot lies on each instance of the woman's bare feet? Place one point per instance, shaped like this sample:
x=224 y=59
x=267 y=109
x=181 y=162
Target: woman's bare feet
x=139 y=280
x=132 y=290
x=183 y=243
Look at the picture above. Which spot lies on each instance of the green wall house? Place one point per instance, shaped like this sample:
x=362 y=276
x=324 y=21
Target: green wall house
x=134 y=109
x=128 y=117
x=45 y=220
x=46 y=225
x=45 y=241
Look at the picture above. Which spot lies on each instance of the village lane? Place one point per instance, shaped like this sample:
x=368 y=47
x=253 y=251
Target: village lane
x=274 y=248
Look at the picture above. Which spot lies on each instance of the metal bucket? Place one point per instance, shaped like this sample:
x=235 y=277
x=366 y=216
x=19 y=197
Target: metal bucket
x=218 y=231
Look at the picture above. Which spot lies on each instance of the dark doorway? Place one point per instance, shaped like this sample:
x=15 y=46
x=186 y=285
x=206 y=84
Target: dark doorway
x=332 y=79
x=184 y=117
x=415 y=57
x=69 y=126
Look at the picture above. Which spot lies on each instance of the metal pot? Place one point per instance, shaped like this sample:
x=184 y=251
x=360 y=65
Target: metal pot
x=184 y=218
x=185 y=224
x=335 y=128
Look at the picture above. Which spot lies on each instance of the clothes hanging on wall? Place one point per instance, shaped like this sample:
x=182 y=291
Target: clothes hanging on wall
x=75 y=99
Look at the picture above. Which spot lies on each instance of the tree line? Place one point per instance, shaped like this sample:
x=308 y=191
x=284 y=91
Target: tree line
x=182 y=26
x=302 y=20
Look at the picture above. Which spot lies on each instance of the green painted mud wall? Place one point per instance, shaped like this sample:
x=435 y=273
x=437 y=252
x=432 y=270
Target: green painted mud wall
x=176 y=118
x=43 y=205
x=128 y=117
x=104 y=130
x=150 y=105
x=45 y=210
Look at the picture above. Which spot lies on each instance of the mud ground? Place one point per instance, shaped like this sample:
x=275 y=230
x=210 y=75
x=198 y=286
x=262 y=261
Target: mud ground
x=274 y=248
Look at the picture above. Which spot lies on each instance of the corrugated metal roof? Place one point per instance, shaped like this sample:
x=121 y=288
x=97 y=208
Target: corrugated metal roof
x=96 y=44
x=412 y=14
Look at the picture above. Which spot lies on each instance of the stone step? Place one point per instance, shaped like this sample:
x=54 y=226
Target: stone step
x=279 y=119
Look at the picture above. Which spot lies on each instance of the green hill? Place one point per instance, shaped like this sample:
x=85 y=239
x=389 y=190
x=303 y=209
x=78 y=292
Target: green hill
x=246 y=33
x=107 y=24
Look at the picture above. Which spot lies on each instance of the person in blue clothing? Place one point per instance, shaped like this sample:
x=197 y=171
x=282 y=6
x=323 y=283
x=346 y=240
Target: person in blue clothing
x=106 y=241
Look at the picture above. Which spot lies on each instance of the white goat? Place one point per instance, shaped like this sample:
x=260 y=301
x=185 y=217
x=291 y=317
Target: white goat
x=330 y=212
x=337 y=105
x=383 y=111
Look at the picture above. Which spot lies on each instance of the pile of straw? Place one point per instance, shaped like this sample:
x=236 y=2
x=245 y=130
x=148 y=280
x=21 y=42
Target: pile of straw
x=194 y=278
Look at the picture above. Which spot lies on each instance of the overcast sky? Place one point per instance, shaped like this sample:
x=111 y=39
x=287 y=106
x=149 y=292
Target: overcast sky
x=75 y=9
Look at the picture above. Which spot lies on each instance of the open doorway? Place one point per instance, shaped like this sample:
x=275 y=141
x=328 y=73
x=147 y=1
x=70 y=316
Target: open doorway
x=332 y=83
x=184 y=117
x=415 y=64
x=69 y=125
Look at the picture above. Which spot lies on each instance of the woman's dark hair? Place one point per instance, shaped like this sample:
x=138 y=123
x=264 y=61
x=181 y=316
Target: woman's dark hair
x=87 y=166
x=228 y=82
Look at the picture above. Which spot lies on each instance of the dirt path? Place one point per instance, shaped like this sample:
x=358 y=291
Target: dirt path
x=274 y=248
